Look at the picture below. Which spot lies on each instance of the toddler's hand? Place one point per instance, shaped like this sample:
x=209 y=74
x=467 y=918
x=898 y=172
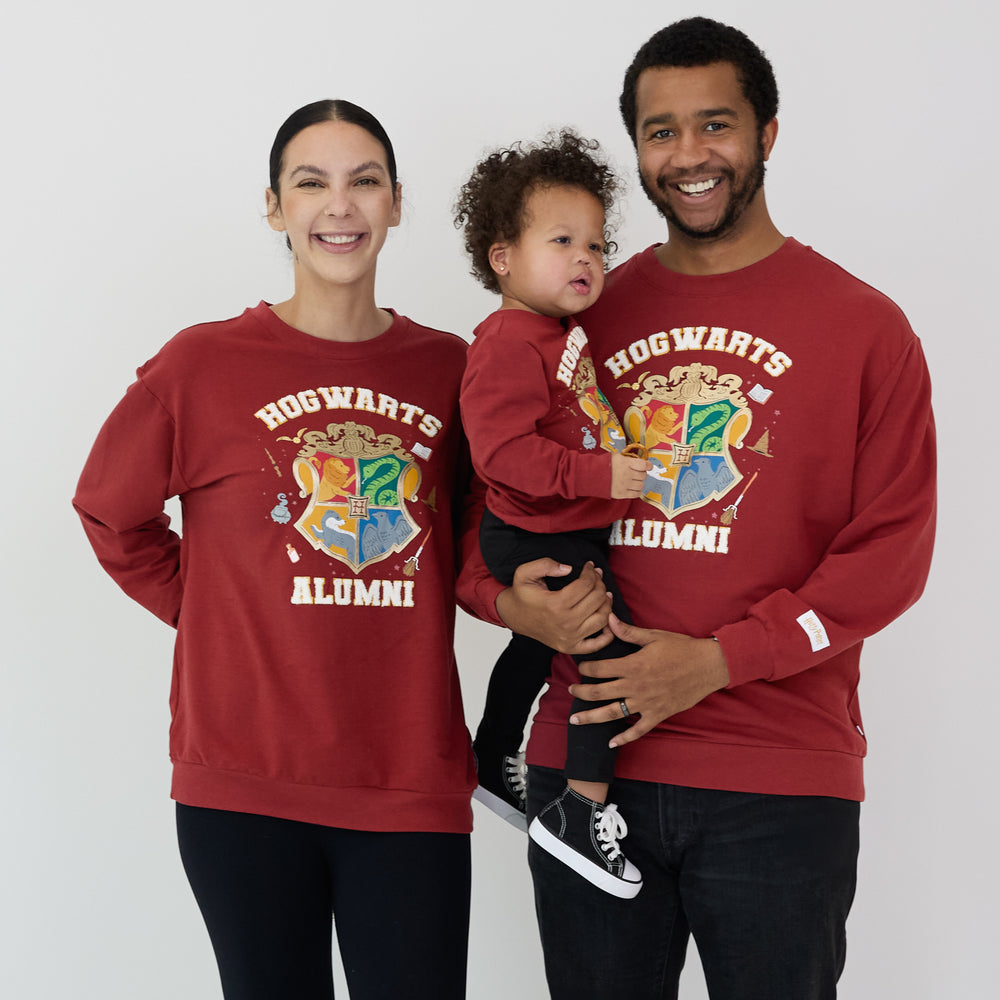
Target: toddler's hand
x=627 y=476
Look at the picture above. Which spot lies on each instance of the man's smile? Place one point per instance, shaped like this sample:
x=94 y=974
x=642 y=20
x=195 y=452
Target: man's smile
x=697 y=187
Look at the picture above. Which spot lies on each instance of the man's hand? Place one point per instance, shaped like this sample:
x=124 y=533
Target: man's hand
x=562 y=619
x=670 y=673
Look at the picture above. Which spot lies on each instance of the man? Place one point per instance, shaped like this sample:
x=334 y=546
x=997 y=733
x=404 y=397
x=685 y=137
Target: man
x=785 y=407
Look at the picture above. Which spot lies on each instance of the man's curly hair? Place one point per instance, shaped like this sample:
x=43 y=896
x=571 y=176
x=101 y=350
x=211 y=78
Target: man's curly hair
x=491 y=204
x=700 y=41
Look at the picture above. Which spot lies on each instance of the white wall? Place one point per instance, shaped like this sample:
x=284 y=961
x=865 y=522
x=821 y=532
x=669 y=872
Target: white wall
x=135 y=144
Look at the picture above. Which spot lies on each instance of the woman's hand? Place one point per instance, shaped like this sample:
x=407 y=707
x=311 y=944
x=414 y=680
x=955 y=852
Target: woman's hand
x=670 y=673
x=562 y=619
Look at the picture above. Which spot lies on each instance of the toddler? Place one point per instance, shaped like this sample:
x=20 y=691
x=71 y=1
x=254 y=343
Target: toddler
x=553 y=457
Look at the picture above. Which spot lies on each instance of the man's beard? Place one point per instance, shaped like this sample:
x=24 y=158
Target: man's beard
x=739 y=200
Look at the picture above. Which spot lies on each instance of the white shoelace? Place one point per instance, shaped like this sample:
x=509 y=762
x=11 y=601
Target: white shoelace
x=517 y=772
x=610 y=827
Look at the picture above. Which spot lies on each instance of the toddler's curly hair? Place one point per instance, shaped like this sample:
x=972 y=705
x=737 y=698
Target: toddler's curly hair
x=491 y=204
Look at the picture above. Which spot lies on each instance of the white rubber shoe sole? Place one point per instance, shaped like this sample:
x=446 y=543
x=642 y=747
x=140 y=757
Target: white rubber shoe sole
x=626 y=887
x=502 y=808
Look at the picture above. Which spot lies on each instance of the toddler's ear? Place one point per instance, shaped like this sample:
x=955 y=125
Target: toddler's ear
x=498 y=258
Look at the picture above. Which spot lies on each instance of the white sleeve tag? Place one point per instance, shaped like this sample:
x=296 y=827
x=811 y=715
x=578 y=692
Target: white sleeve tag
x=813 y=628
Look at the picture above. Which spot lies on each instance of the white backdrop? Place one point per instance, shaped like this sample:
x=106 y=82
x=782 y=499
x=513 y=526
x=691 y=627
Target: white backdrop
x=135 y=147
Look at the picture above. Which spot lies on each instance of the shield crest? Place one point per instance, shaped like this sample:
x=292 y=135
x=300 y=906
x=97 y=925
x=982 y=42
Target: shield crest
x=358 y=484
x=688 y=422
x=594 y=404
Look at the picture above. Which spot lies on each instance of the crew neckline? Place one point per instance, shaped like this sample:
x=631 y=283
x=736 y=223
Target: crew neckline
x=278 y=328
x=548 y=323
x=761 y=270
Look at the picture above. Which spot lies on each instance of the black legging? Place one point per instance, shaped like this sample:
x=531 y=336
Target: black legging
x=269 y=890
x=520 y=672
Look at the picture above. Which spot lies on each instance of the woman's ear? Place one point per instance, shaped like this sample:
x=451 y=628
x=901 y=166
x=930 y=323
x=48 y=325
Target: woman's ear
x=397 y=206
x=274 y=219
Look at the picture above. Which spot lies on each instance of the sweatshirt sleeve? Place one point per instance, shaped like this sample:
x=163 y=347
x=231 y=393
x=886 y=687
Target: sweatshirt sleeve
x=504 y=395
x=876 y=566
x=120 y=496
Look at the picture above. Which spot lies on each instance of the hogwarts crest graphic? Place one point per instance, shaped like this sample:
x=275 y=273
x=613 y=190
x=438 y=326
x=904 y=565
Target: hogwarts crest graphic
x=688 y=423
x=358 y=485
x=594 y=404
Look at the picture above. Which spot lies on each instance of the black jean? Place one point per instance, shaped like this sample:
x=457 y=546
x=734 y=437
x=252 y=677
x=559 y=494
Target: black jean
x=523 y=666
x=763 y=882
x=269 y=890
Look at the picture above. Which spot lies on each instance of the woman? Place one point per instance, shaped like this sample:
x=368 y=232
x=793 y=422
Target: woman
x=321 y=762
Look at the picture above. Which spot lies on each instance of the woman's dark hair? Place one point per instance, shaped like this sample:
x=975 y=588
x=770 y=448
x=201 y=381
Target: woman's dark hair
x=327 y=111
x=491 y=204
x=699 y=41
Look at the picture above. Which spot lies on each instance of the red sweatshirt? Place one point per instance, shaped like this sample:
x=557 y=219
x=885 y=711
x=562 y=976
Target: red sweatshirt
x=313 y=588
x=790 y=511
x=539 y=429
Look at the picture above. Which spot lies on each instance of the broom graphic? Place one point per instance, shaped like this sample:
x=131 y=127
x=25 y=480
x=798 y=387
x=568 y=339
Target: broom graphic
x=413 y=563
x=729 y=513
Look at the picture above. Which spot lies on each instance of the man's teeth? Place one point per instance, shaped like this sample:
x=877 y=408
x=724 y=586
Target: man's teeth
x=700 y=188
x=341 y=239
